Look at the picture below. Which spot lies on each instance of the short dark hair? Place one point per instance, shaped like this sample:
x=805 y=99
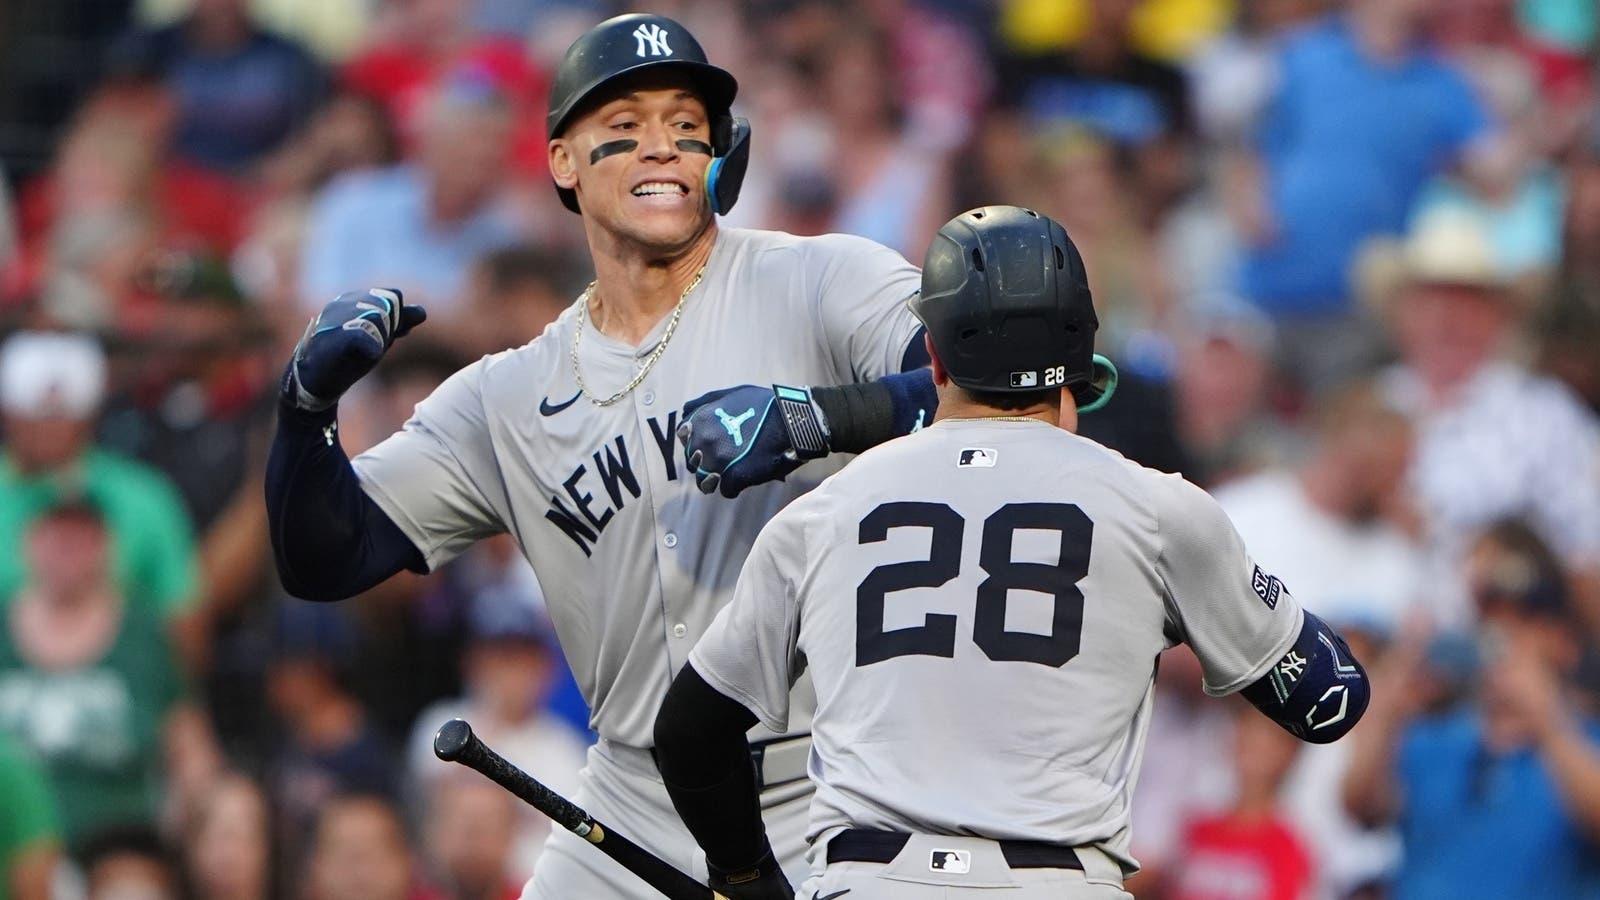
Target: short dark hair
x=1012 y=401
x=126 y=839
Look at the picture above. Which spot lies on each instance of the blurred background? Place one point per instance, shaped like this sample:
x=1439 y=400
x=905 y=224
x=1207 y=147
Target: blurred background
x=1346 y=252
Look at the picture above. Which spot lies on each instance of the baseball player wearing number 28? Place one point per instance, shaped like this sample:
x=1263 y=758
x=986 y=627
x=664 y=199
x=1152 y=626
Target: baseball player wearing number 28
x=571 y=443
x=980 y=607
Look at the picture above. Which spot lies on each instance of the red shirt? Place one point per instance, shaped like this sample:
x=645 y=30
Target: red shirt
x=1226 y=858
x=399 y=77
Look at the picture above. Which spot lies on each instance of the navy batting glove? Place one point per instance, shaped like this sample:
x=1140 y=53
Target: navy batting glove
x=764 y=881
x=735 y=438
x=343 y=343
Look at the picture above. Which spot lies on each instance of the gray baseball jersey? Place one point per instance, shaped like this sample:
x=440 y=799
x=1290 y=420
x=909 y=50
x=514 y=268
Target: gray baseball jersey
x=980 y=606
x=633 y=559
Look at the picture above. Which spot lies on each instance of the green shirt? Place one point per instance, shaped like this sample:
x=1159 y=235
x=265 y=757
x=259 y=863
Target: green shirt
x=97 y=729
x=27 y=817
x=154 y=555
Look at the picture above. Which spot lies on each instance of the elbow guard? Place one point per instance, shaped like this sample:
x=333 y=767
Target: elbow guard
x=1317 y=691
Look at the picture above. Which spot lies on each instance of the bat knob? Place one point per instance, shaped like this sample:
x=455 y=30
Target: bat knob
x=452 y=740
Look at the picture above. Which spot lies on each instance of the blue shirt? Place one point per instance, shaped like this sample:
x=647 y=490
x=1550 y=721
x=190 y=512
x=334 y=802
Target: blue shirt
x=1475 y=825
x=373 y=228
x=233 y=105
x=1347 y=143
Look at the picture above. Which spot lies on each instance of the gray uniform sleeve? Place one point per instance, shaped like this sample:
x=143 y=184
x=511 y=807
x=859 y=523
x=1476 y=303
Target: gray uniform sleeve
x=1238 y=619
x=437 y=477
x=861 y=301
x=750 y=653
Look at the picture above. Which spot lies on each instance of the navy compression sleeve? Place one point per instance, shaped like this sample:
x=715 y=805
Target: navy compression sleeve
x=329 y=540
x=704 y=758
x=862 y=416
x=1318 y=690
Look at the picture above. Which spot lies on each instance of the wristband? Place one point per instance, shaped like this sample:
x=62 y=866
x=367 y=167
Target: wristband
x=804 y=421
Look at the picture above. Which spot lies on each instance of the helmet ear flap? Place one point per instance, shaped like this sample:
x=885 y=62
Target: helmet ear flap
x=1096 y=391
x=730 y=142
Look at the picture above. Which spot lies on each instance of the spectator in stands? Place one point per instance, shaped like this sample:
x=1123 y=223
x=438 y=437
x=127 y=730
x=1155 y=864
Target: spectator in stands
x=508 y=670
x=89 y=683
x=1224 y=362
x=1249 y=851
x=1493 y=439
x=1515 y=771
x=1363 y=115
x=1187 y=772
x=359 y=852
x=419 y=225
x=1084 y=182
x=227 y=843
x=890 y=185
x=191 y=390
x=419 y=47
x=128 y=863
x=330 y=747
x=50 y=392
x=349 y=132
x=240 y=90
x=1305 y=525
x=30 y=837
x=1104 y=83
x=515 y=293
x=114 y=165
x=468 y=829
x=1343 y=500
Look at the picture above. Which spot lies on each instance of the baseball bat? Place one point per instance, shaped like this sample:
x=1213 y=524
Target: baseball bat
x=455 y=742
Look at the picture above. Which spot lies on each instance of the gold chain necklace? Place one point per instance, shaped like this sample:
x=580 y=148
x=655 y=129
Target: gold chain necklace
x=649 y=361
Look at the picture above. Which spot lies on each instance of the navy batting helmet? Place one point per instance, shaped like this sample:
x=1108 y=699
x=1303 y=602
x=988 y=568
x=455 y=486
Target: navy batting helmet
x=1006 y=302
x=640 y=42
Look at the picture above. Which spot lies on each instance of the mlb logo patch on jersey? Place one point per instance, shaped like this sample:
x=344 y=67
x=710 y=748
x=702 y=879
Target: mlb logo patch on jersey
x=976 y=458
x=953 y=862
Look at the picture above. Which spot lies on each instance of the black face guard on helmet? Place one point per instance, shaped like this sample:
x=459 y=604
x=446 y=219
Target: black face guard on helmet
x=1006 y=302
x=631 y=44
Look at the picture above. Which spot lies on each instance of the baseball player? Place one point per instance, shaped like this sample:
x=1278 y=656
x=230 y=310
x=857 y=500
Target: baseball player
x=568 y=443
x=980 y=607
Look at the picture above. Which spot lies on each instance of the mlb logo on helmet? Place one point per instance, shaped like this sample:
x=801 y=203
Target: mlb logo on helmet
x=954 y=862
x=976 y=457
x=1024 y=379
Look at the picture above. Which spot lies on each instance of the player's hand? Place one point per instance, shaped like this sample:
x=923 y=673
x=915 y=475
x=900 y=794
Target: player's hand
x=763 y=882
x=735 y=438
x=343 y=343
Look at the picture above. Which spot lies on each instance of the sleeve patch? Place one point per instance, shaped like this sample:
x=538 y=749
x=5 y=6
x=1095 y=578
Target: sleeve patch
x=1267 y=587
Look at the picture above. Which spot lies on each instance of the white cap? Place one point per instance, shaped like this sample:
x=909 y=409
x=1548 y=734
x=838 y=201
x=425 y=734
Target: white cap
x=46 y=373
x=1452 y=248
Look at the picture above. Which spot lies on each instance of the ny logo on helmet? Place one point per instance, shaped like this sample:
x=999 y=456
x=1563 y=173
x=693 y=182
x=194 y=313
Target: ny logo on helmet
x=652 y=40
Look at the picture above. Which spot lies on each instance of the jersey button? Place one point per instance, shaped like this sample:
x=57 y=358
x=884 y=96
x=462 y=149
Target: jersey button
x=679 y=630
x=670 y=539
x=649 y=397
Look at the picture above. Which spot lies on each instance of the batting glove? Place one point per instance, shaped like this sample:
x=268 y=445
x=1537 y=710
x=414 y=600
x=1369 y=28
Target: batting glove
x=743 y=436
x=764 y=881
x=343 y=343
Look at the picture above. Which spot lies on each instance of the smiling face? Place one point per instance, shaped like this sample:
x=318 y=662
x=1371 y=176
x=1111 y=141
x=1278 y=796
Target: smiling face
x=633 y=177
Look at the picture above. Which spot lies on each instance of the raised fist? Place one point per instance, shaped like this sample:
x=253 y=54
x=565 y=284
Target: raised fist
x=343 y=343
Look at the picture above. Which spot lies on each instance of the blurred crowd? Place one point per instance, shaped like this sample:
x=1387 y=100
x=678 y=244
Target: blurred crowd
x=1346 y=253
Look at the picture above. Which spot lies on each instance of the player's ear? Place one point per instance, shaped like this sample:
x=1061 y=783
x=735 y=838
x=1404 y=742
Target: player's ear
x=563 y=164
x=940 y=375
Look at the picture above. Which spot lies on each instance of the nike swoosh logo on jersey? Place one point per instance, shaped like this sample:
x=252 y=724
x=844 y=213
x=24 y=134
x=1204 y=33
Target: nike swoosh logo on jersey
x=546 y=409
x=832 y=895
